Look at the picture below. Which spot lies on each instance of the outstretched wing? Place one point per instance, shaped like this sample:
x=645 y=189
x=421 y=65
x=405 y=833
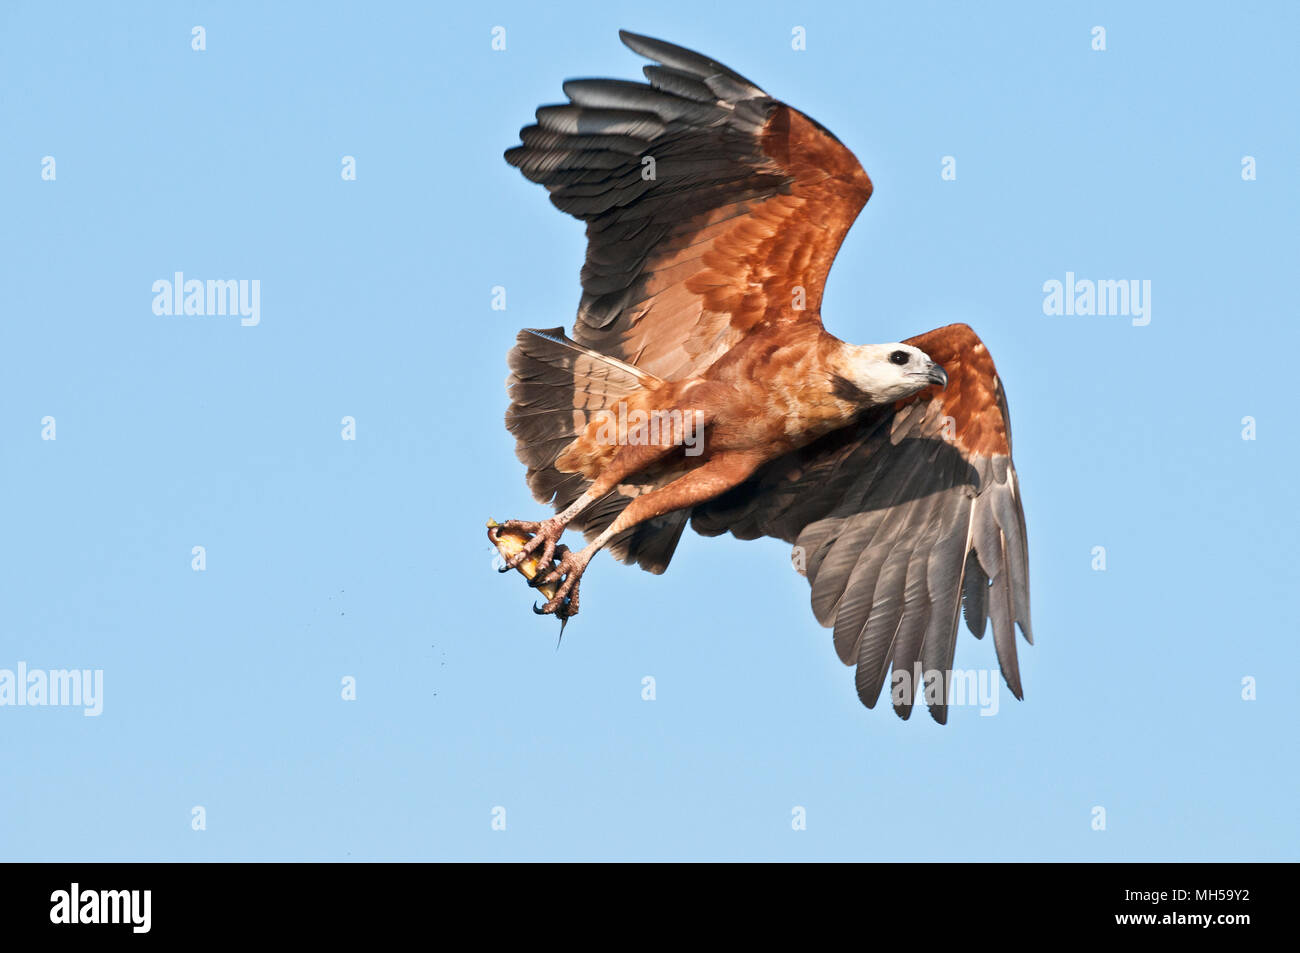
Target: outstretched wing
x=900 y=519
x=711 y=208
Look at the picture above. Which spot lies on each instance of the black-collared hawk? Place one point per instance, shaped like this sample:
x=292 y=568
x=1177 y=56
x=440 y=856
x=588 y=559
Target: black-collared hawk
x=700 y=386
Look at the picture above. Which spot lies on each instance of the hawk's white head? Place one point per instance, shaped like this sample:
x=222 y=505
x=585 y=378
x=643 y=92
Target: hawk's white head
x=881 y=373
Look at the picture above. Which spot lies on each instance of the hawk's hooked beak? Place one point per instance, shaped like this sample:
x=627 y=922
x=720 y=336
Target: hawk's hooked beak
x=938 y=375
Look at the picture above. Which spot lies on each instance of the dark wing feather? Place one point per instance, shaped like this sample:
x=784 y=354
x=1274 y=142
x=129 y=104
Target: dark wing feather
x=747 y=205
x=899 y=520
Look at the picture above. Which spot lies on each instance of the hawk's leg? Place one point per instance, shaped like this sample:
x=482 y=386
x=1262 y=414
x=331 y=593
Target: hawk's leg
x=715 y=476
x=630 y=459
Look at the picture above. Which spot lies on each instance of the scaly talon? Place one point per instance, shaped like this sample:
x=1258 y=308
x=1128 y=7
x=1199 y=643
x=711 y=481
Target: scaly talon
x=565 y=601
x=555 y=574
x=544 y=534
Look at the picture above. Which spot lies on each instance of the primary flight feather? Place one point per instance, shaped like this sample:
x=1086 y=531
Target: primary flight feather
x=700 y=386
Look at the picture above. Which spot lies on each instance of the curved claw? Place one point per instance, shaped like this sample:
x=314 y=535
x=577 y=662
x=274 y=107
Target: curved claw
x=562 y=611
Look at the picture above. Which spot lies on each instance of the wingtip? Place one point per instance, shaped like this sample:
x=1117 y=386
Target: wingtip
x=628 y=39
x=1011 y=673
x=654 y=49
x=636 y=42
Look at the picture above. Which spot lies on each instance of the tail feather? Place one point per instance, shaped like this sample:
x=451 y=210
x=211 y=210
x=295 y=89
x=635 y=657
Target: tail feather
x=555 y=385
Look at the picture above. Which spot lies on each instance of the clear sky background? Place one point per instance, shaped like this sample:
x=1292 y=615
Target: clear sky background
x=329 y=558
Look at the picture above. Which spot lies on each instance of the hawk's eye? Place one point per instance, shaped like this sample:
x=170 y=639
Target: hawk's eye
x=899 y=357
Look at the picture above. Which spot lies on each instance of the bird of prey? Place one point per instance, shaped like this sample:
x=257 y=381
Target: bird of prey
x=700 y=386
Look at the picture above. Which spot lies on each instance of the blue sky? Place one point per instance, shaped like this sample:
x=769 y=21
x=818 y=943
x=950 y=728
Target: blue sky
x=328 y=558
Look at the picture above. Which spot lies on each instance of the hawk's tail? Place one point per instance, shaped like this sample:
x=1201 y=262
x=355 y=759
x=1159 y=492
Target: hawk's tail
x=555 y=384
